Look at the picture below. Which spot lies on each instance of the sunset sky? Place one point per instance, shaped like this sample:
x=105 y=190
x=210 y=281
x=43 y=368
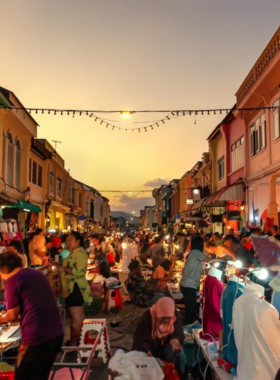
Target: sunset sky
x=131 y=54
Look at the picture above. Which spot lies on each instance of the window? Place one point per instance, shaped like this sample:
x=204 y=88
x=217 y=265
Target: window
x=51 y=182
x=276 y=119
x=71 y=194
x=10 y=159
x=80 y=200
x=40 y=170
x=59 y=187
x=237 y=155
x=34 y=173
x=258 y=135
x=30 y=169
x=3 y=155
x=221 y=168
x=18 y=161
x=91 y=209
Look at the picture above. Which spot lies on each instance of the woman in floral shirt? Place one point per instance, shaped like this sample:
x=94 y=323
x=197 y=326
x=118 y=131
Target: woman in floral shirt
x=144 y=293
x=75 y=288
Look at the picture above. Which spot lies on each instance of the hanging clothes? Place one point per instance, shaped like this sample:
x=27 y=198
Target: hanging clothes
x=233 y=291
x=129 y=253
x=256 y=331
x=211 y=308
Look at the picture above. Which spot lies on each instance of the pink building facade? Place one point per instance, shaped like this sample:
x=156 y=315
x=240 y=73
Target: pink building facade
x=260 y=89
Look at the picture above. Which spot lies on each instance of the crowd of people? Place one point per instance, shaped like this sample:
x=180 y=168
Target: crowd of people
x=41 y=324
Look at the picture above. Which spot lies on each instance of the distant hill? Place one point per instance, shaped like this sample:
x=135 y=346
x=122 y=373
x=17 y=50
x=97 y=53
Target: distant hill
x=125 y=215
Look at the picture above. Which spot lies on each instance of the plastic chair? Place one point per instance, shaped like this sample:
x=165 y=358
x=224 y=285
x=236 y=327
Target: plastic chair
x=73 y=367
x=113 y=299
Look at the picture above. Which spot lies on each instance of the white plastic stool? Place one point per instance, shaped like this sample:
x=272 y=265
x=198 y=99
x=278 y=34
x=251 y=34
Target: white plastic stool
x=103 y=349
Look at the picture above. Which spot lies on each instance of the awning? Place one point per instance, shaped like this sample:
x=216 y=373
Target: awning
x=7 y=201
x=193 y=218
x=199 y=204
x=229 y=193
x=28 y=206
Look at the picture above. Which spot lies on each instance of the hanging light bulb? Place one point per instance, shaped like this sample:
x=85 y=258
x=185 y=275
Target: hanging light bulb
x=145 y=129
x=126 y=131
x=184 y=114
x=152 y=127
x=49 y=112
x=163 y=122
x=61 y=113
x=157 y=124
x=67 y=113
x=132 y=130
x=202 y=113
x=87 y=113
x=190 y=113
x=107 y=125
x=95 y=118
x=214 y=112
x=167 y=117
x=172 y=113
x=42 y=111
x=220 y=112
x=55 y=112
x=119 y=129
x=195 y=113
x=126 y=113
x=139 y=130
x=177 y=113
x=36 y=111
x=80 y=113
x=74 y=114
x=101 y=122
x=113 y=128
x=208 y=112
x=29 y=111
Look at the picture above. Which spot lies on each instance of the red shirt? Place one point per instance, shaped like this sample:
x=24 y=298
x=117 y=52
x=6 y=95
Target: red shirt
x=248 y=246
x=110 y=259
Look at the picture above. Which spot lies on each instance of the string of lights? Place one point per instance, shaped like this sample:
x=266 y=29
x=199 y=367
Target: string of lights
x=170 y=114
x=138 y=129
x=143 y=191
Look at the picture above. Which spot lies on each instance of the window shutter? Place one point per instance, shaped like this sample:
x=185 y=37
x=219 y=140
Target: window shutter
x=242 y=154
x=252 y=143
x=10 y=163
x=40 y=172
x=18 y=168
x=3 y=155
x=263 y=135
x=256 y=140
x=276 y=123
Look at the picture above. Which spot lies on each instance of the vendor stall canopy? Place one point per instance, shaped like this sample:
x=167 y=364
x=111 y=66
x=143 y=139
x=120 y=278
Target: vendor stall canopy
x=26 y=206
